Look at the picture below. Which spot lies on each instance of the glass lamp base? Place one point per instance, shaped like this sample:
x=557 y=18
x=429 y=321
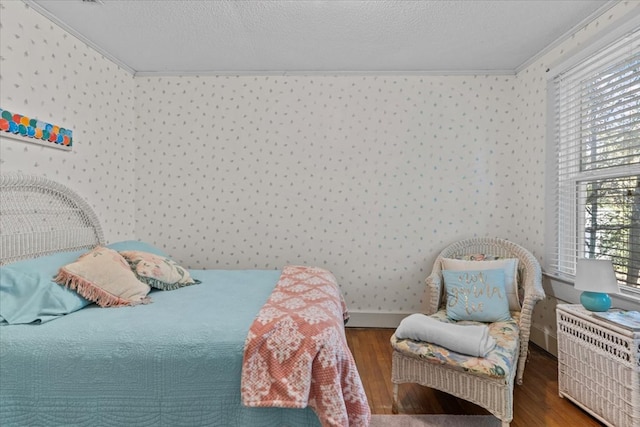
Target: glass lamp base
x=595 y=301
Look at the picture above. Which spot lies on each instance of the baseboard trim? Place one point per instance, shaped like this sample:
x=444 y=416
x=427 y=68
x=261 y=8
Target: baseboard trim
x=368 y=319
x=545 y=339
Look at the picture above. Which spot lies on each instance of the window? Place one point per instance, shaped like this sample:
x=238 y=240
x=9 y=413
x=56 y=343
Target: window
x=595 y=121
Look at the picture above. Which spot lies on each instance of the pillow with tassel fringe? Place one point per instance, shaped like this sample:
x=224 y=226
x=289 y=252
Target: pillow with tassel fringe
x=158 y=271
x=103 y=276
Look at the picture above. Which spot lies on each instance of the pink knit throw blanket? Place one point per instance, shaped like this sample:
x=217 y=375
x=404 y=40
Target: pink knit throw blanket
x=296 y=352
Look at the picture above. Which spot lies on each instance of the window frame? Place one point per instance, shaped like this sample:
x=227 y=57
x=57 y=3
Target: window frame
x=554 y=246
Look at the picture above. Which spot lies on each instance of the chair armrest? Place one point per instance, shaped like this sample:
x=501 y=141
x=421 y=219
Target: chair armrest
x=533 y=292
x=434 y=292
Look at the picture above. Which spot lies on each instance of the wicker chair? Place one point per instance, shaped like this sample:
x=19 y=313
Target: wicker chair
x=494 y=394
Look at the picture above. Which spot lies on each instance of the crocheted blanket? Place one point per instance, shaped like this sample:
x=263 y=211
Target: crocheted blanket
x=296 y=352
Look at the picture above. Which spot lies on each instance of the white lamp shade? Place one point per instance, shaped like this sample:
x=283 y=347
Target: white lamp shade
x=596 y=275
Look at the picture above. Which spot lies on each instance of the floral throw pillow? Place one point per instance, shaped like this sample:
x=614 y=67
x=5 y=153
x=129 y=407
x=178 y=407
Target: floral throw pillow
x=103 y=276
x=158 y=271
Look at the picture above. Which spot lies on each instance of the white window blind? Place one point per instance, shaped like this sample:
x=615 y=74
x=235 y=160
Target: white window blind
x=596 y=131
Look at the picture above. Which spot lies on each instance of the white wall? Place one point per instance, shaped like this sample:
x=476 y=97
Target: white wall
x=46 y=73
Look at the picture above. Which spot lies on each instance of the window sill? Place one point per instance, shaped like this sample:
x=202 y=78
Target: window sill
x=561 y=288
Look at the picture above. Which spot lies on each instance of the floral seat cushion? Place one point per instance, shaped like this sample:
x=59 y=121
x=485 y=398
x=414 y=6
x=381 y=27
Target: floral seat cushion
x=499 y=363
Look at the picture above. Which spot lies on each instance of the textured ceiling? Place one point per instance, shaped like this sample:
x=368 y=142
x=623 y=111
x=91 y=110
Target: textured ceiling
x=279 y=36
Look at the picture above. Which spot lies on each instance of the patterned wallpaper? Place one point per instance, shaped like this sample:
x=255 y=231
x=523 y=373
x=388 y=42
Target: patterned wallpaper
x=46 y=73
x=369 y=176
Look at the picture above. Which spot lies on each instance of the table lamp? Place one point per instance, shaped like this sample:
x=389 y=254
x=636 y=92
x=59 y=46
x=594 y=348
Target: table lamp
x=596 y=278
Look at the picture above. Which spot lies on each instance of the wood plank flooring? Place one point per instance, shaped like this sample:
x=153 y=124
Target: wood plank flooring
x=536 y=401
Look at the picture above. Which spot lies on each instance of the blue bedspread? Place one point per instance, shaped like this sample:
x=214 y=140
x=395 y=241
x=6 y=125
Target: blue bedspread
x=175 y=362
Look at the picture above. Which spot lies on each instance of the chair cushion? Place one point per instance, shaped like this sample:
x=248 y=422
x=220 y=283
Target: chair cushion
x=499 y=362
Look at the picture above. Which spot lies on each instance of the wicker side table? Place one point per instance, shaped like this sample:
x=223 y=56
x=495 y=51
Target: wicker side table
x=599 y=366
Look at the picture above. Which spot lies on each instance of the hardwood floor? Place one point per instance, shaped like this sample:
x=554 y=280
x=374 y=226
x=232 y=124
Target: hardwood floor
x=536 y=401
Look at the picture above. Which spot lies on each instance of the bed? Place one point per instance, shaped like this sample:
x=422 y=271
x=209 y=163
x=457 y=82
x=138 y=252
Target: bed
x=181 y=360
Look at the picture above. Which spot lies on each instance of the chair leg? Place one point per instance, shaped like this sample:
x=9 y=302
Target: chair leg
x=394 y=405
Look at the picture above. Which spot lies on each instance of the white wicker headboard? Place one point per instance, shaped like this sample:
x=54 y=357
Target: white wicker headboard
x=39 y=216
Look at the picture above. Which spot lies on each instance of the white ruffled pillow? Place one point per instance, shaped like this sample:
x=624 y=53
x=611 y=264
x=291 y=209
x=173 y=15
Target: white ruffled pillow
x=103 y=276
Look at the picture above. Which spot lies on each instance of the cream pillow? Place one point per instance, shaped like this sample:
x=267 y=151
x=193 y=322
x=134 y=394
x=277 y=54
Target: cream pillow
x=509 y=265
x=103 y=276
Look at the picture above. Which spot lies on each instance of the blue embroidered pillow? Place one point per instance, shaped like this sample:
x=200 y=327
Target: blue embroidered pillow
x=490 y=262
x=477 y=295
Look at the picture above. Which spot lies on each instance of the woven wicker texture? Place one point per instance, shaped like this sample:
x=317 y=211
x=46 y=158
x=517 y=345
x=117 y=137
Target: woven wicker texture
x=494 y=395
x=40 y=217
x=599 y=366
